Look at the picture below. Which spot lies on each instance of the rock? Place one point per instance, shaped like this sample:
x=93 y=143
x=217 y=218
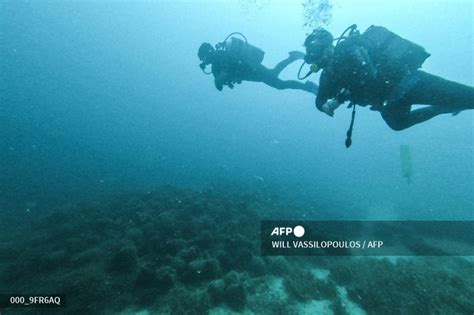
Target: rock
x=201 y=269
x=235 y=296
x=124 y=260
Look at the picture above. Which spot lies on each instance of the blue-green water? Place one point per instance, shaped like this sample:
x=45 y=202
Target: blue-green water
x=120 y=162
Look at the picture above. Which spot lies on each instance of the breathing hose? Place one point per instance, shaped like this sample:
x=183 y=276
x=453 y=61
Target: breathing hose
x=236 y=33
x=351 y=28
x=299 y=72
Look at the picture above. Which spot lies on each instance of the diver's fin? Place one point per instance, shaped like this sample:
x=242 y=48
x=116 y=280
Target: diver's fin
x=295 y=55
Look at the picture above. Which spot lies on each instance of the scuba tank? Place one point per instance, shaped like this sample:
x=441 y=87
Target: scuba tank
x=241 y=50
x=389 y=48
x=246 y=53
x=396 y=60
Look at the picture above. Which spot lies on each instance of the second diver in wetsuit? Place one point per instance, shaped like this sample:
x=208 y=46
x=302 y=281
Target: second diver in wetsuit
x=381 y=69
x=235 y=60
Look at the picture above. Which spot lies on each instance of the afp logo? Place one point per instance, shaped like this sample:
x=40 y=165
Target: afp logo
x=297 y=231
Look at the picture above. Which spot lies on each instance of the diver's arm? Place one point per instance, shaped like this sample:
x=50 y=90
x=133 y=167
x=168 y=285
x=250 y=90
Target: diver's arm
x=323 y=93
x=219 y=81
x=219 y=86
x=327 y=90
x=330 y=106
x=220 y=70
x=320 y=100
x=362 y=64
x=221 y=78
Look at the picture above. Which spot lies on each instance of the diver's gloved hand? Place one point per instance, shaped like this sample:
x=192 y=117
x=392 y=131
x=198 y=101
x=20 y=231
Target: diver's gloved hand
x=330 y=106
x=295 y=55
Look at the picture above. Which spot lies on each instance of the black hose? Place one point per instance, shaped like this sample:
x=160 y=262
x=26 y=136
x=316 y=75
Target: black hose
x=351 y=28
x=203 y=68
x=236 y=33
x=299 y=72
x=205 y=72
x=349 y=132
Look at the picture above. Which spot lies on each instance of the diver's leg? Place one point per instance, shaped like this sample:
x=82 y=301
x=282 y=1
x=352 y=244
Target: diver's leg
x=401 y=121
x=267 y=76
x=447 y=95
x=293 y=56
x=399 y=115
x=276 y=83
x=396 y=114
x=442 y=95
x=423 y=114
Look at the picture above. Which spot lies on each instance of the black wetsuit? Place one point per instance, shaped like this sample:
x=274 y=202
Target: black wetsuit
x=443 y=95
x=228 y=71
x=354 y=75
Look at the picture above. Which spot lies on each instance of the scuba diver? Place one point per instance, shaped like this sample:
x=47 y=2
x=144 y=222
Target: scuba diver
x=235 y=60
x=380 y=69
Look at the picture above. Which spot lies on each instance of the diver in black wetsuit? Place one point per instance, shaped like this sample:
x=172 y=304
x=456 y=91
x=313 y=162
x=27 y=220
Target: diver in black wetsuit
x=381 y=69
x=234 y=61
